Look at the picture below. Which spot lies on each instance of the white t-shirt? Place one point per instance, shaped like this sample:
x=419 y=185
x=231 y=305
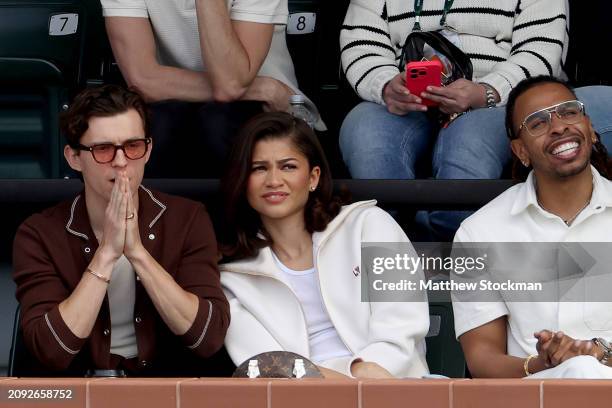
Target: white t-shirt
x=323 y=338
x=175 y=26
x=121 y=298
x=516 y=216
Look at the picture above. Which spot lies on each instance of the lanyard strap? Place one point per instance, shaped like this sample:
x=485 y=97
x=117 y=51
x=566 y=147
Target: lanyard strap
x=447 y=6
x=418 y=8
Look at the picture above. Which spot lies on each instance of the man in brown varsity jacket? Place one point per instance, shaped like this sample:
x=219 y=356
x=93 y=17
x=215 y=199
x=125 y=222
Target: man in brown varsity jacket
x=120 y=277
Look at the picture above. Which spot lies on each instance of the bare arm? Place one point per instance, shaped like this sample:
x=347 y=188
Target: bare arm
x=233 y=50
x=368 y=369
x=80 y=310
x=485 y=351
x=331 y=374
x=134 y=48
x=176 y=306
x=133 y=45
x=486 y=355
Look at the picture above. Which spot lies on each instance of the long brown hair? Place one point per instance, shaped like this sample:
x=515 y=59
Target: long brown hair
x=599 y=155
x=246 y=232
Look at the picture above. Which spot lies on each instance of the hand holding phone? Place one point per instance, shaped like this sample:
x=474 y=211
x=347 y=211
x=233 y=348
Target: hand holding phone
x=420 y=75
x=398 y=98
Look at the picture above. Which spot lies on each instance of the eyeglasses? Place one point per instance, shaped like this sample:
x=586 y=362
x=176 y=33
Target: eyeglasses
x=539 y=122
x=105 y=152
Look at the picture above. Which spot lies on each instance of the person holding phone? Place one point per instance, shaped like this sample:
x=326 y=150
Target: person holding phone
x=422 y=74
x=389 y=132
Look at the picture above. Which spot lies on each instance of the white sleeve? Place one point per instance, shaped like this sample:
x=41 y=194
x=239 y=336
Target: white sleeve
x=260 y=11
x=240 y=346
x=472 y=314
x=368 y=56
x=538 y=45
x=397 y=330
x=124 y=8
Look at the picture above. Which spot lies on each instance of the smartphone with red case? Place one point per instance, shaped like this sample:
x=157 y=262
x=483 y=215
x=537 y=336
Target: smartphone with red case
x=420 y=75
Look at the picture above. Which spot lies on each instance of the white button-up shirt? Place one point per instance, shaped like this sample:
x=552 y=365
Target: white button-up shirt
x=516 y=216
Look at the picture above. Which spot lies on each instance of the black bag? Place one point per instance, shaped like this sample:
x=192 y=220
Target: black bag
x=461 y=65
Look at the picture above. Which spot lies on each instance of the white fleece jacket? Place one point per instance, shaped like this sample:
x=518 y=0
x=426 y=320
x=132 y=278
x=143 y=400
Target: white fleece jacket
x=267 y=316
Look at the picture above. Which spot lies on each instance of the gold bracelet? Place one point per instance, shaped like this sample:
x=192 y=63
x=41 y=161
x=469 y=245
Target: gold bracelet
x=526 y=364
x=97 y=275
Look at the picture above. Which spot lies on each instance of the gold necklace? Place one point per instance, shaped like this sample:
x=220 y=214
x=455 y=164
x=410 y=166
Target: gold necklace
x=568 y=221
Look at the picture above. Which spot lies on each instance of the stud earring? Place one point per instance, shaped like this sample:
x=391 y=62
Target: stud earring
x=312 y=188
x=525 y=163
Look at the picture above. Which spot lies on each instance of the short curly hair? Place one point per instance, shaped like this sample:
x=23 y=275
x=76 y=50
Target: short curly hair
x=100 y=101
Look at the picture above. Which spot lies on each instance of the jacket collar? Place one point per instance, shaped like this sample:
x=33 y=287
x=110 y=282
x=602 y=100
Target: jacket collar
x=150 y=209
x=264 y=265
x=318 y=238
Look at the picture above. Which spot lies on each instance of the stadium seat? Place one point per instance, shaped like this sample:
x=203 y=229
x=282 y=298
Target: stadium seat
x=8 y=303
x=18 y=351
x=47 y=30
x=99 y=62
x=40 y=64
x=316 y=57
x=302 y=40
x=444 y=354
x=21 y=362
x=586 y=58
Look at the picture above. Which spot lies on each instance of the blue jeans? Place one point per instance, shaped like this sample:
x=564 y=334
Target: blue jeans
x=376 y=144
x=598 y=105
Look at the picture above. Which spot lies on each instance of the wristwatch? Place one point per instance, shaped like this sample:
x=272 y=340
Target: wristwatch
x=489 y=94
x=606 y=347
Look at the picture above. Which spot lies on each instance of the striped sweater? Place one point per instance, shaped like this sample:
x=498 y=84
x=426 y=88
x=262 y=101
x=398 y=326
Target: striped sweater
x=507 y=40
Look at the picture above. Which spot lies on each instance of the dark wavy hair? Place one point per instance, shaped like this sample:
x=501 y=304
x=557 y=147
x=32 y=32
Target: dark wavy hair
x=100 y=101
x=599 y=155
x=246 y=234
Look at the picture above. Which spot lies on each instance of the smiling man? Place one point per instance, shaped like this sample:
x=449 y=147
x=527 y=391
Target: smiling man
x=120 y=277
x=566 y=196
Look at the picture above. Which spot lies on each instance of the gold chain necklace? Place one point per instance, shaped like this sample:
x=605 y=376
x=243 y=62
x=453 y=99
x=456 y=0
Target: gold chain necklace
x=568 y=221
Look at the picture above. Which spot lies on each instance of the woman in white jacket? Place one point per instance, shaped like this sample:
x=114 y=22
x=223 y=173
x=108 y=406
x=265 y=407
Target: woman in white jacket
x=294 y=282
